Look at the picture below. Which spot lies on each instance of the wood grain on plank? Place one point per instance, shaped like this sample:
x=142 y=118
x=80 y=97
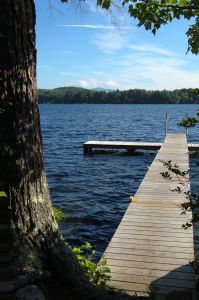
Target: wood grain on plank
x=150 y=272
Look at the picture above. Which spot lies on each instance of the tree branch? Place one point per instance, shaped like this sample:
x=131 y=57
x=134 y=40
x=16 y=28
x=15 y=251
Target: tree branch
x=174 y=6
x=180 y=7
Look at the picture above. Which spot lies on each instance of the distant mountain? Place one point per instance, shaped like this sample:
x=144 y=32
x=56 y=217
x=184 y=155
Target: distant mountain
x=100 y=89
x=72 y=89
x=62 y=90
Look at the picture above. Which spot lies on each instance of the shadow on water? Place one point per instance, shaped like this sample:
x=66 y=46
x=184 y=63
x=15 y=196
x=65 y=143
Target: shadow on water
x=115 y=152
x=129 y=152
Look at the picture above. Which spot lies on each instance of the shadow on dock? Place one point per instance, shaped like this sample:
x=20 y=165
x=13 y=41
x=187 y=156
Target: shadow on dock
x=179 y=284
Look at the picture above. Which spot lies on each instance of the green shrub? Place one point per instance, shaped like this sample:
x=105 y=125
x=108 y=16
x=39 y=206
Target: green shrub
x=97 y=273
x=188 y=122
x=59 y=215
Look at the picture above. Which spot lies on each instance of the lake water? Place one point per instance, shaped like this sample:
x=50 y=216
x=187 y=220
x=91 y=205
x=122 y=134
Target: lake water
x=93 y=190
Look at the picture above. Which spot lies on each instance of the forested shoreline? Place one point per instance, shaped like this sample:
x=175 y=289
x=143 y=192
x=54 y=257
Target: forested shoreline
x=75 y=95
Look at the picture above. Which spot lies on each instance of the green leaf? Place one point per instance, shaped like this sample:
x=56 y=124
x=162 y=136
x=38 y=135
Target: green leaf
x=154 y=31
x=58 y=213
x=97 y=273
x=3 y=194
x=188 y=122
x=87 y=245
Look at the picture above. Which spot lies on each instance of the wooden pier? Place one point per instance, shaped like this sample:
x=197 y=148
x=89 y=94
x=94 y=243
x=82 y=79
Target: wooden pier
x=150 y=252
x=94 y=145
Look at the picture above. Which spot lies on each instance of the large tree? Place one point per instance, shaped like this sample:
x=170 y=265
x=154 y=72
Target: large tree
x=42 y=264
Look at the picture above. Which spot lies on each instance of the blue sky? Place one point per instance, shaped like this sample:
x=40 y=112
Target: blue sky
x=81 y=45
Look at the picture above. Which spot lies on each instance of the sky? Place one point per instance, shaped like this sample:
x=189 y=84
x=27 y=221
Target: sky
x=82 y=45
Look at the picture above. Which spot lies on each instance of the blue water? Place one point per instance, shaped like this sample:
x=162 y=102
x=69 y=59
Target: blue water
x=94 y=190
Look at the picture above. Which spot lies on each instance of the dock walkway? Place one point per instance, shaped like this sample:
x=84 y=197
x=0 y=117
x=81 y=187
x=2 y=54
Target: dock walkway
x=150 y=251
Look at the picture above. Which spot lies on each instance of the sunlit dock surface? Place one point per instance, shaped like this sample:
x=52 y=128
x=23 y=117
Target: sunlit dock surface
x=150 y=252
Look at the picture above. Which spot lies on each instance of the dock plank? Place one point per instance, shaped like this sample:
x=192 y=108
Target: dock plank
x=149 y=272
x=131 y=278
x=150 y=249
x=148 y=259
x=151 y=266
x=152 y=253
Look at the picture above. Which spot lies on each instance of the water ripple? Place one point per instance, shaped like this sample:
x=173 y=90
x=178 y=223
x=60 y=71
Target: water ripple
x=94 y=191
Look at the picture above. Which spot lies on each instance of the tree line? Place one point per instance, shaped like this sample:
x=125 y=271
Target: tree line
x=74 y=95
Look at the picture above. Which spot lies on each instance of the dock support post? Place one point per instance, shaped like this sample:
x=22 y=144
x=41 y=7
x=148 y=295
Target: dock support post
x=87 y=150
x=131 y=151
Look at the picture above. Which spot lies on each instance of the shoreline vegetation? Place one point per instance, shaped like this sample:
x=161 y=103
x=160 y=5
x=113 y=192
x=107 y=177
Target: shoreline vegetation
x=77 y=95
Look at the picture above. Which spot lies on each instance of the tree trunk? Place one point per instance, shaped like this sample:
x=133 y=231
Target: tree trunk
x=35 y=235
x=44 y=267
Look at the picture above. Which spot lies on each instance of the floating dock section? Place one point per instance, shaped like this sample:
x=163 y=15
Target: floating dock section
x=150 y=252
x=94 y=145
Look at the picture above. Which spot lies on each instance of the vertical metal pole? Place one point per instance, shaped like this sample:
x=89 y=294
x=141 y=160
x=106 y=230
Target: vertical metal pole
x=186 y=127
x=166 y=123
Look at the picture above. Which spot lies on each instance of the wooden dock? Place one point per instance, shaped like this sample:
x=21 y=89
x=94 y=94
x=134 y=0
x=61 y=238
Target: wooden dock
x=150 y=252
x=94 y=145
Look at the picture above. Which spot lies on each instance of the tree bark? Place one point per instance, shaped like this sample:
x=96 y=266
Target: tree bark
x=44 y=266
x=35 y=235
x=22 y=176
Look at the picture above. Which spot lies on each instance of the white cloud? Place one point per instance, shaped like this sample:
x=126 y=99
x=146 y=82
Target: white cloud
x=90 y=26
x=84 y=83
x=109 y=42
x=43 y=66
x=152 y=72
x=155 y=69
x=111 y=84
x=94 y=82
x=138 y=71
x=62 y=52
x=74 y=74
x=151 y=48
